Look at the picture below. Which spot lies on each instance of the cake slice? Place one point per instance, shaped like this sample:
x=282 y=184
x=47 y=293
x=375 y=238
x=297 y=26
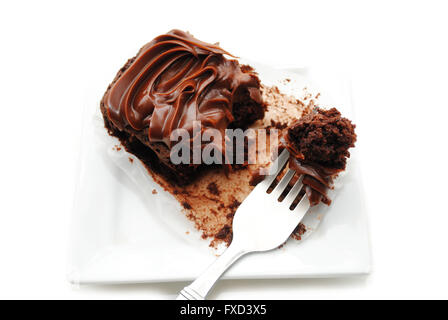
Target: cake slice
x=318 y=143
x=172 y=82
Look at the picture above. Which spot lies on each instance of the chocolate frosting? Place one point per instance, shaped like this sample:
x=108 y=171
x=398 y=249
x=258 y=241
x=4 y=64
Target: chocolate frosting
x=316 y=180
x=174 y=80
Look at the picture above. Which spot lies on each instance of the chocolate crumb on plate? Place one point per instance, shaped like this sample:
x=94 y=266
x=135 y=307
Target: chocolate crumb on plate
x=299 y=231
x=213 y=188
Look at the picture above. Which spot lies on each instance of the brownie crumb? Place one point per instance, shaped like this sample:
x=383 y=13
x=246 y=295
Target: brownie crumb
x=225 y=234
x=234 y=205
x=299 y=231
x=213 y=188
x=131 y=160
x=186 y=205
x=222 y=234
x=278 y=125
x=154 y=191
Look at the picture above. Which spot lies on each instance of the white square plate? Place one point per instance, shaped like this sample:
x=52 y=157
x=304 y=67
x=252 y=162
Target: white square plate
x=117 y=237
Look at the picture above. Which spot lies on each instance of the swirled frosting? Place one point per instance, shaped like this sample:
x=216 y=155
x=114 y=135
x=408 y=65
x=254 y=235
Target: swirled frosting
x=174 y=80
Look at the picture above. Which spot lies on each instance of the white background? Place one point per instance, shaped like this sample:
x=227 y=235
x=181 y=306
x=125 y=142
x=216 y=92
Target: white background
x=395 y=52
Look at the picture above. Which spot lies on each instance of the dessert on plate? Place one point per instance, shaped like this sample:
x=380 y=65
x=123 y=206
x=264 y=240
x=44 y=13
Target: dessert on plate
x=177 y=81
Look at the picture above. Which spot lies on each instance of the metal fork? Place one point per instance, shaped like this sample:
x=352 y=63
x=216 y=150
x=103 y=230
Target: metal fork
x=261 y=223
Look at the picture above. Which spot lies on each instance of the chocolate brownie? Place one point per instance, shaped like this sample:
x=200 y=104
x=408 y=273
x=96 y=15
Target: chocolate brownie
x=172 y=82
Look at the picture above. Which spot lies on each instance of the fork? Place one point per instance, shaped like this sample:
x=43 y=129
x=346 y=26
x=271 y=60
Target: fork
x=262 y=222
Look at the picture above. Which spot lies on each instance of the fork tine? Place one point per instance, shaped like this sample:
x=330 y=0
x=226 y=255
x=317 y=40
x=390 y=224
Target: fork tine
x=293 y=192
x=276 y=168
x=292 y=218
x=301 y=208
x=282 y=184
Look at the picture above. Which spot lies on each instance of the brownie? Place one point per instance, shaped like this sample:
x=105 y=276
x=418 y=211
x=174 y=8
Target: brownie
x=318 y=143
x=172 y=82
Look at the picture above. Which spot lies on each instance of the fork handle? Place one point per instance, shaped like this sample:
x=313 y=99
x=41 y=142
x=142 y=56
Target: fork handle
x=199 y=288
